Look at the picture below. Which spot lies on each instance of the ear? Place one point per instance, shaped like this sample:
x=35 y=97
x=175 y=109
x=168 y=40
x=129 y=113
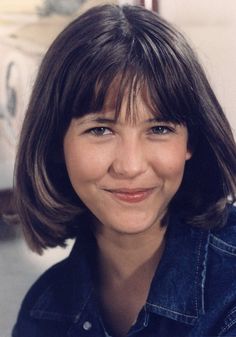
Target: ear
x=189 y=154
x=191 y=145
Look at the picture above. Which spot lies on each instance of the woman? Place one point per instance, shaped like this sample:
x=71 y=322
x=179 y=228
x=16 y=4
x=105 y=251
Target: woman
x=126 y=148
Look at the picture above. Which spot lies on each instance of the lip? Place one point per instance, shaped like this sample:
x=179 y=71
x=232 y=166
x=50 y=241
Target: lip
x=131 y=195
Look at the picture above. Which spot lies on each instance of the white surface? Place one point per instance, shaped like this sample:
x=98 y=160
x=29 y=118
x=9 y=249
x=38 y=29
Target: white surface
x=6 y=175
x=19 y=270
x=198 y=12
x=210 y=26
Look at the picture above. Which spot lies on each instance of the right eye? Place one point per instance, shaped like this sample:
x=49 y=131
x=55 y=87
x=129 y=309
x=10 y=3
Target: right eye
x=99 y=131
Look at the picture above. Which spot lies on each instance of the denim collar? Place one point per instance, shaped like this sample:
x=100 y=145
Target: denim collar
x=70 y=288
x=177 y=290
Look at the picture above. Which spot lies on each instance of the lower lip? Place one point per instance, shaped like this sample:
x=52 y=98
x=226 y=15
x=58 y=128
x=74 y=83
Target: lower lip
x=133 y=197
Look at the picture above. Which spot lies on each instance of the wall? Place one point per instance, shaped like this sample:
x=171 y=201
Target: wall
x=211 y=28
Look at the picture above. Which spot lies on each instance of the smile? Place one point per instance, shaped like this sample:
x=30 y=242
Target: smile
x=131 y=195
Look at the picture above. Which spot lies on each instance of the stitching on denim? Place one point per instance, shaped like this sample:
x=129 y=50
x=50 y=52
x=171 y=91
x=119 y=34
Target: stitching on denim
x=203 y=273
x=41 y=298
x=51 y=315
x=41 y=312
x=232 y=312
x=230 y=323
x=77 y=317
x=222 y=242
x=227 y=327
x=222 y=250
x=196 y=277
x=232 y=249
x=146 y=318
x=174 y=312
x=56 y=315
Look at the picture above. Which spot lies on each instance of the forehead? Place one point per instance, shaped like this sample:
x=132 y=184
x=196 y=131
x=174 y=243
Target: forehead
x=128 y=96
x=128 y=103
x=141 y=115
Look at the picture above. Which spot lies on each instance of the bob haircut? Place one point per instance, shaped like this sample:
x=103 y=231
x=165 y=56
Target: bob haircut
x=135 y=48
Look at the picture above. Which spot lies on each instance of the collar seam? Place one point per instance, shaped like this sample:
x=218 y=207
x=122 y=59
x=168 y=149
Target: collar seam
x=78 y=315
x=172 y=311
x=53 y=315
x=200 y=275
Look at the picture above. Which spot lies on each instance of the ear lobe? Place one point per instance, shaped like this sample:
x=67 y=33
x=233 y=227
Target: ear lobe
x=191 y=145
x=189 y=154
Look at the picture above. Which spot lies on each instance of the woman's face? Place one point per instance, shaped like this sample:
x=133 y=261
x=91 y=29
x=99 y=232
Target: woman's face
x=126 y=171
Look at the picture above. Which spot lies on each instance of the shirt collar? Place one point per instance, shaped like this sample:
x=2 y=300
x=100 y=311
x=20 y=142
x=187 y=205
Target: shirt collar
x=177 y=289
x=70 y=288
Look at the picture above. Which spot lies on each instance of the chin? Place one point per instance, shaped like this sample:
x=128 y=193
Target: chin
x=134 y=226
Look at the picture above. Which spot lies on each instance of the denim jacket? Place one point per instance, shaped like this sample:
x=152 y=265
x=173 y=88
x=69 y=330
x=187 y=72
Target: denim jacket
x=193 y=292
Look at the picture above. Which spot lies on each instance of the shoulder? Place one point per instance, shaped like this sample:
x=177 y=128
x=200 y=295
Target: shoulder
x=54 y=278
x=220 y=275
x=54 y=290
x=41 y=301
x=58 y=296
x=223 y=240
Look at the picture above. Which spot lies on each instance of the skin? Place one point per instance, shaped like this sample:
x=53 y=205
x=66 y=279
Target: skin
x=126 y=172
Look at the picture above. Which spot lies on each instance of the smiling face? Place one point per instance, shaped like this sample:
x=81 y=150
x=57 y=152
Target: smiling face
x=126 y=171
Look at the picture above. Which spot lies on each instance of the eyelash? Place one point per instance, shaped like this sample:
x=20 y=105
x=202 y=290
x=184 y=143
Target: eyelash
x=156 y=130
x=162 y=129
x=95 y=131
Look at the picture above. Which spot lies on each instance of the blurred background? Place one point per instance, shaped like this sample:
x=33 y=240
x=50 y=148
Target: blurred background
x=27 y=27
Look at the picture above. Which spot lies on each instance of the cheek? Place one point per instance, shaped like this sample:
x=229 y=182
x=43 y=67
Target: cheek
x=84 y=164
x=170 y=162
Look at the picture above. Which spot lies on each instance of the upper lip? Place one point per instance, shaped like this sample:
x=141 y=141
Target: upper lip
x=129 y=190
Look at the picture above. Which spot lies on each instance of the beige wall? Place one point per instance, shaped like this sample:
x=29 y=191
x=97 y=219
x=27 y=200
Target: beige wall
x=209 y=24
x=211 y=28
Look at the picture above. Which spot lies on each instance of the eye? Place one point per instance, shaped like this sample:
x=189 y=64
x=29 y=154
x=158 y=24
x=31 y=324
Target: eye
x=99 y=131
x=162 y=129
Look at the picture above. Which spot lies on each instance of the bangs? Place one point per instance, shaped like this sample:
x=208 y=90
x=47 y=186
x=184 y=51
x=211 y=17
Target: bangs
x=125 y=62
x=110 y=91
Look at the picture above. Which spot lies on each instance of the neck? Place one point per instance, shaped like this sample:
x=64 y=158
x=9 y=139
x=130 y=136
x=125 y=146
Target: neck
x=126 y=265
x=123 y=256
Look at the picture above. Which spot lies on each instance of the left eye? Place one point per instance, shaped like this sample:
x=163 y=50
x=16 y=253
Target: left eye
x=100 y=131
x=161 y=130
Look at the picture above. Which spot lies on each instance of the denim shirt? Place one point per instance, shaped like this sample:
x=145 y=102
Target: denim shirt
x=193 y=292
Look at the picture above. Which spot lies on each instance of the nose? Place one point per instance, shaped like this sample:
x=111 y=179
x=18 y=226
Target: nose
x=130 y=158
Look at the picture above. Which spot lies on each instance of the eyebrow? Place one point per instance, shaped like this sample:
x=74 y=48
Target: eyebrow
x=158 y=119
x=105 y=120
x=99 y=120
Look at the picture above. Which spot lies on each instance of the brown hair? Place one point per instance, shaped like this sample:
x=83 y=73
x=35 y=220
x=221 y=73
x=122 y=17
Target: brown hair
x=74 y=79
